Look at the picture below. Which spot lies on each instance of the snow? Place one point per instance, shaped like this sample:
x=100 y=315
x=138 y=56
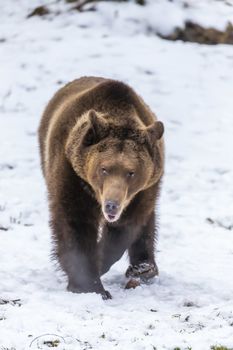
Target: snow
x=190 y=88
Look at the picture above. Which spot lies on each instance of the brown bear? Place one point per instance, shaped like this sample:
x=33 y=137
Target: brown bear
x=102 y=157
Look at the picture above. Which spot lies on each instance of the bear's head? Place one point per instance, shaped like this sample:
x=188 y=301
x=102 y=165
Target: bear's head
x=117 y=161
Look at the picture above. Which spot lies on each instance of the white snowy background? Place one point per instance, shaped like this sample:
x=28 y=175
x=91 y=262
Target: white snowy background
x=190 y=88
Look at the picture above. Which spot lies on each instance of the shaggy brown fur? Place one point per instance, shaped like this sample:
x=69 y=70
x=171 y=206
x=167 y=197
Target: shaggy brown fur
x=102 y=157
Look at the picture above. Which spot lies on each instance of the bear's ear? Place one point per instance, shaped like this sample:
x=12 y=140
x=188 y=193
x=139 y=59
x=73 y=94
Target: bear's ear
x=92 y=131
x=155 y=131
x=96 y=130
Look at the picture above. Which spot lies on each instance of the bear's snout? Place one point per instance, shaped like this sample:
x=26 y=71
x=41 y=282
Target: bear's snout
x=111 y=210
x=111 y=207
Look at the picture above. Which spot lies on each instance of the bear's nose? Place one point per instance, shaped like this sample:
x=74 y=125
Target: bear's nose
x=111 y=207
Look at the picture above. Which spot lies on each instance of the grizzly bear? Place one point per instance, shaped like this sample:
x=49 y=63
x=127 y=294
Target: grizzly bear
x=102 y=156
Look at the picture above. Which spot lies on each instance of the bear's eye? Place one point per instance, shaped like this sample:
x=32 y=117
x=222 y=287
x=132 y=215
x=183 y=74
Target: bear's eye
x=130 y=174
x=104 y=171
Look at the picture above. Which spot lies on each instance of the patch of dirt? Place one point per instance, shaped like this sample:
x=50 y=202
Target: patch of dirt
x=226 y=226
x=16 y=302
x=3 y=228
x=39 y=11
x=195 y=33
x=52 y=343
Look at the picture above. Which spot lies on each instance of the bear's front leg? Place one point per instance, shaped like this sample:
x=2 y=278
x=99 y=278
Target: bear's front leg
x=141 y=253
x=114 y=242
x=75 y=231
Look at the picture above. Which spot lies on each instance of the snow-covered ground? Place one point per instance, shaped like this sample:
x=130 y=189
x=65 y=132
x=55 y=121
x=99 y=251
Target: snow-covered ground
x=190 y=87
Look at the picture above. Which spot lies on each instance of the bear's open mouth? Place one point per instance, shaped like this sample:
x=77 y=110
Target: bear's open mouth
x=111 y=217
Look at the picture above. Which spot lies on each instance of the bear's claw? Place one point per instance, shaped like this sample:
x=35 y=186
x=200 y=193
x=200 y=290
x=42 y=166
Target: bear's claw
x=106 y=295
x=133 y=283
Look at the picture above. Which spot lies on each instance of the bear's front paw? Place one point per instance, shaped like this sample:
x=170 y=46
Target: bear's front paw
x=73 y=288
x=144 y=271
x=99 y=290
